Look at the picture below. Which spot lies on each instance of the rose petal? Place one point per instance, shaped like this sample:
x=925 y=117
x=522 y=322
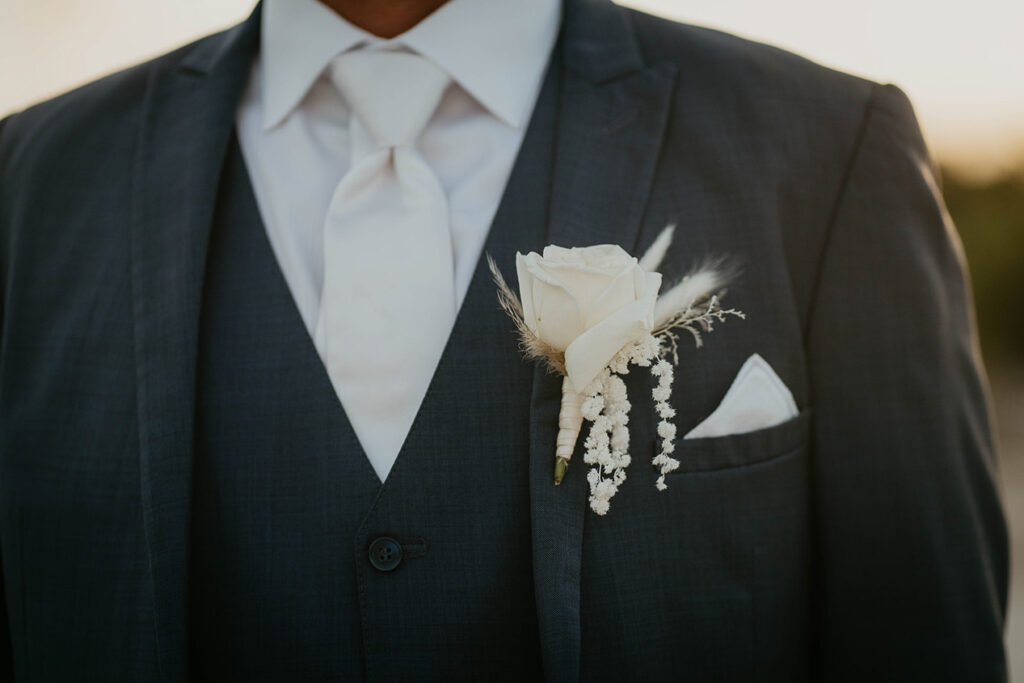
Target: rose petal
x=595 y=348
x=558 y=253
x=526 y=291
x=559 y=320
x=592 y=350
x=652 y=283
x=580 y=280
x=606 y=256
x=619 y=290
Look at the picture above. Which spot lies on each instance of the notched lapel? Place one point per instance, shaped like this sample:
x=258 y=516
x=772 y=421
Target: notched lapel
x=611 y=125
x=612 y=117
x=186 y=124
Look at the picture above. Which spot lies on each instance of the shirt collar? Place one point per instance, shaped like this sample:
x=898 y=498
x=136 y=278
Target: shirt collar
x=496 y=50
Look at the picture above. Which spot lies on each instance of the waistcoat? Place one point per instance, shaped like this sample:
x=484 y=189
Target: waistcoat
x=302 y=564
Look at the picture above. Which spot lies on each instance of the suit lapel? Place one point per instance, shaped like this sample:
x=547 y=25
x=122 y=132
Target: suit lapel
x=186 y=124
x=612 y=117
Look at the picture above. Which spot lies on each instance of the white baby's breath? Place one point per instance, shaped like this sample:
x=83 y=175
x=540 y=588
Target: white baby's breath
x=607 y=445
x=666 y=429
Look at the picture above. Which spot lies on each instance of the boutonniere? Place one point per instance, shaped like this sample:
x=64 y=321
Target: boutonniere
x=588 y=313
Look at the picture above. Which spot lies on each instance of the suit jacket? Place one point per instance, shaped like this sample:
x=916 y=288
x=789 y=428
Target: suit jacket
x=862 y=540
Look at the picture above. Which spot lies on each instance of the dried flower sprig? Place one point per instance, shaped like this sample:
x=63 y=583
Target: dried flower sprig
x=698 y=317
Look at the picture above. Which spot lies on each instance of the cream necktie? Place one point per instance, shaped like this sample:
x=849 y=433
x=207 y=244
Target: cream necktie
x=388 y=299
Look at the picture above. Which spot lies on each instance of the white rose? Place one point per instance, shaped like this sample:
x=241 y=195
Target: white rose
x=588 y=302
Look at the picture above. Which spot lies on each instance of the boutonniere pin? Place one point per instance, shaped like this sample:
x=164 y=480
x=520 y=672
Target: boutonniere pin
x=588 y=313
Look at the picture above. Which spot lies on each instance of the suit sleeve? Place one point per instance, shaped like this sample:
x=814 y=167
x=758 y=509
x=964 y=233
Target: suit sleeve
x=6 y=655
x=911 y=543
x=6 y=658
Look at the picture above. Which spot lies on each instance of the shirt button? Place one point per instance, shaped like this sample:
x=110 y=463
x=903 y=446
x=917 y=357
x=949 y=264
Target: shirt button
x=385 y=554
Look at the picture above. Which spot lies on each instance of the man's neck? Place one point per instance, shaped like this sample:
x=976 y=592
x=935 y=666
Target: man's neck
x=384 y=18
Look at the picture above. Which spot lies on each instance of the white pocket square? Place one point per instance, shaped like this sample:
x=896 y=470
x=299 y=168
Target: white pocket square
x=757 y=399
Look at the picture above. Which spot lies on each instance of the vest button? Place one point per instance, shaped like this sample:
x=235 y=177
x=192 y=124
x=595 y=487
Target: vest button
x=385 y=554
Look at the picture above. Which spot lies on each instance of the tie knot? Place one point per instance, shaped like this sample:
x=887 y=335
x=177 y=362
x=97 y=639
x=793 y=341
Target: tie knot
x=394 y=94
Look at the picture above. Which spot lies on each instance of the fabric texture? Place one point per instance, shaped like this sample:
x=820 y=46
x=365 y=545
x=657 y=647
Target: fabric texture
x=861 y=540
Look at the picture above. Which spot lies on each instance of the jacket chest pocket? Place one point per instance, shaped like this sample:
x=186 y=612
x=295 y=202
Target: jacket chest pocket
x=742 y=450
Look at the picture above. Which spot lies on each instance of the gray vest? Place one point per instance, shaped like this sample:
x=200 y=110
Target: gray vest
x=302 y=565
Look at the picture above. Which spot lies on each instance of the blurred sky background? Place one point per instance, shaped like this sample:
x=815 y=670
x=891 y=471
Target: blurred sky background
x=962 y=63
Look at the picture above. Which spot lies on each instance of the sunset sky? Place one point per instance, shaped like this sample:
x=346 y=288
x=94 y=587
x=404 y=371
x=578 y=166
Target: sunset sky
x=961 y=63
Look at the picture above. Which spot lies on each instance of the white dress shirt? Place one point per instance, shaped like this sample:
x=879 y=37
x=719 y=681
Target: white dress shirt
x=293 y=124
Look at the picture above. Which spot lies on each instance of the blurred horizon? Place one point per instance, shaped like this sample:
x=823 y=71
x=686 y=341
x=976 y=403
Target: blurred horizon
x=961 y=66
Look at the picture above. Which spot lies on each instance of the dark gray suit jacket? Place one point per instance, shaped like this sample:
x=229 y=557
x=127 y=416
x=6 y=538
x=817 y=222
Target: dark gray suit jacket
x=862 y=540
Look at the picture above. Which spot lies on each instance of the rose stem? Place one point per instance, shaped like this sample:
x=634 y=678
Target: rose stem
x=570 y=420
